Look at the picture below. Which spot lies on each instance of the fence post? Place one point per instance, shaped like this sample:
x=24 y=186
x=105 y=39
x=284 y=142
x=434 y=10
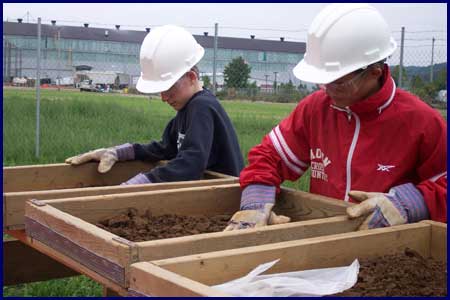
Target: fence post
x=275 y=84
x=432 y=60
x=8 y=65
x=216 y=29
x=38 y=85
x=20 y=62
x=5 y=44
x=400 y=70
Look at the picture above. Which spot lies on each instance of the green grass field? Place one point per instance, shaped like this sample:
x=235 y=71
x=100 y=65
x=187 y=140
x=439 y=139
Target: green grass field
x=74 y=122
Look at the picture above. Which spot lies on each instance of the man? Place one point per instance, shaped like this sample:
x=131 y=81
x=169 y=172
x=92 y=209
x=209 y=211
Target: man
x=200 y=136
x=363 y=138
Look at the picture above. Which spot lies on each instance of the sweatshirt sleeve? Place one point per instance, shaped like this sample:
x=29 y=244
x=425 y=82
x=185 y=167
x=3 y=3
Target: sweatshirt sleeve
x=193 y=154
x=432 y=168
x=156 y=151
x=283 y=153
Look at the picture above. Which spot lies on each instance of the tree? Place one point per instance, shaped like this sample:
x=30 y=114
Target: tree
x=395 y=74
x=206 y=81
x=237 y=73
x=441 y=80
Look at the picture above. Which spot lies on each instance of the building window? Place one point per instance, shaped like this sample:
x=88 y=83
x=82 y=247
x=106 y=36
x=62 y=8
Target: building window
x=262 y=56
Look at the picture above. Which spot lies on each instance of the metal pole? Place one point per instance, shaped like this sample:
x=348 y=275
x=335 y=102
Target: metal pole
x=400 y=71
x=5 y=45
x=432 y=60
x=59 y=59
x=275 y=83
x=267 y=76
x=16 y=62
x=216 y=29
x=20 y=62
x=8 y=66
x=38 y=85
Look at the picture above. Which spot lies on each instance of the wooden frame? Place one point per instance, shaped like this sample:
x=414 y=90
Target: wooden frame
x=65 y=176
x=193 y=275
x=65 y=181
x=22 y=263
x=62 y=227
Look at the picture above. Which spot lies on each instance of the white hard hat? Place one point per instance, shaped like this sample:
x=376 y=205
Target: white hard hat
x=341 y=39
x=167 y=53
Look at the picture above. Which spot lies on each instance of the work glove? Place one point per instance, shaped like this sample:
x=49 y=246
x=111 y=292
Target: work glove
x=106 y=156
x=138 y=179
x=403 y=204
x=257 y=202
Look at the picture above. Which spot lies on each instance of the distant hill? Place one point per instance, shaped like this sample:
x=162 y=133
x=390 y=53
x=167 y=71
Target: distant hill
x=424 y=72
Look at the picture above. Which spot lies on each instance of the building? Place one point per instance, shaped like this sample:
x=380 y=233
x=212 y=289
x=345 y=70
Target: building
x=63 y=48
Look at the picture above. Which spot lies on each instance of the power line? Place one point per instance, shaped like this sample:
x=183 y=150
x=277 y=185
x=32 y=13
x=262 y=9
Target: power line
x=420 y=31
x=265 y=29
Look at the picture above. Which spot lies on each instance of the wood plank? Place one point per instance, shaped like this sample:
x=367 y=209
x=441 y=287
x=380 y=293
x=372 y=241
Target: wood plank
x=208 y=242
x=320 y=252
x=77 y=267
x=14 y=202
x=438 y=240
x=107 y=292
x=301 y=205
x=210 y=200
x=23 y=264
x=63 y=176
x=154 y=281
x=216 y=175
x=81 y=233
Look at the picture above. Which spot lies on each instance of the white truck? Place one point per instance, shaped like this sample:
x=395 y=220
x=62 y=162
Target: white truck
x=88 y=86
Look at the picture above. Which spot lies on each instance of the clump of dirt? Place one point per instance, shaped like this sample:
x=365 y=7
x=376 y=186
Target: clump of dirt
x=404 y=274
x=139 y=228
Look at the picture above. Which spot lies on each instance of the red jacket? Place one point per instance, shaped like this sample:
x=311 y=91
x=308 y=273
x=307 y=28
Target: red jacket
x=388 y=139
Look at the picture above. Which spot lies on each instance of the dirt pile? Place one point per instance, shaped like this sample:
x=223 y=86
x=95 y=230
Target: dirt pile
x=139 y=228
x=405 y=274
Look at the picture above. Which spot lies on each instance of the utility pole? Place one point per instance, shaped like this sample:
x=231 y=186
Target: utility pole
x=432 y=60
x=216 y=29
x=59 y=58
x=275 y=82
x=400 y=70
x=38 y=85
x=267 y=76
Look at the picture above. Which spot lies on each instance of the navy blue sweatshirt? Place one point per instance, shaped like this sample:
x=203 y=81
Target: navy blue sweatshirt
x=200 y=137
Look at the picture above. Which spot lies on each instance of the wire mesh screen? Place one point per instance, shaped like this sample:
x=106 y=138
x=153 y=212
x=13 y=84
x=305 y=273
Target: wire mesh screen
x=251 y=73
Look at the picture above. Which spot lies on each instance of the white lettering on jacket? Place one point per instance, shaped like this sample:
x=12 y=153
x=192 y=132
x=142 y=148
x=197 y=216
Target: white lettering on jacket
x=318 y=166
x=180 y=140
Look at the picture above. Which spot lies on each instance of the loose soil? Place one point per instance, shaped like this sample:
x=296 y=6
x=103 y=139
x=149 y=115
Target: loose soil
x=405 y=274
x=136 y=228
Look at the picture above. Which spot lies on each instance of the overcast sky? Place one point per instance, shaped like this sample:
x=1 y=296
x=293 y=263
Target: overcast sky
x=264 y=20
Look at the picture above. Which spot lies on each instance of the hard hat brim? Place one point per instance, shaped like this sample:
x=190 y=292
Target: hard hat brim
x=309 y=73
x=151 y=86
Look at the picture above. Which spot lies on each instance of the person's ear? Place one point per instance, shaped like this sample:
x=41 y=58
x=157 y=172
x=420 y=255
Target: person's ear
x=376 y=72
x=192 y=75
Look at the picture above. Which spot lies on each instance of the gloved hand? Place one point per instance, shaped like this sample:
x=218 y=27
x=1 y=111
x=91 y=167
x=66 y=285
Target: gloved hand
x=403 y=204
x=106 y=156
x=255 y=218
x=257 y=202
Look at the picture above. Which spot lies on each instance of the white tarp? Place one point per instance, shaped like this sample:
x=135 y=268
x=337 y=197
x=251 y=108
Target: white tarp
x=317 y=282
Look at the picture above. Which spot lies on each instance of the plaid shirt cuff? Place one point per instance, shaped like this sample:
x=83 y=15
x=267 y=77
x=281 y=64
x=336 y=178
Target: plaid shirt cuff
x=256 y=196
x=408 y=199
x=125 y=152
x=138 y=179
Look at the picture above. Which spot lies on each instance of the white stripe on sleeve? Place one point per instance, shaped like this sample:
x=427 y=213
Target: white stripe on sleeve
x=277 y=146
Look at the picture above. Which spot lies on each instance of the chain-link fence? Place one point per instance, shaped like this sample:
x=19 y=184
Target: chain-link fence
x=252 y=69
